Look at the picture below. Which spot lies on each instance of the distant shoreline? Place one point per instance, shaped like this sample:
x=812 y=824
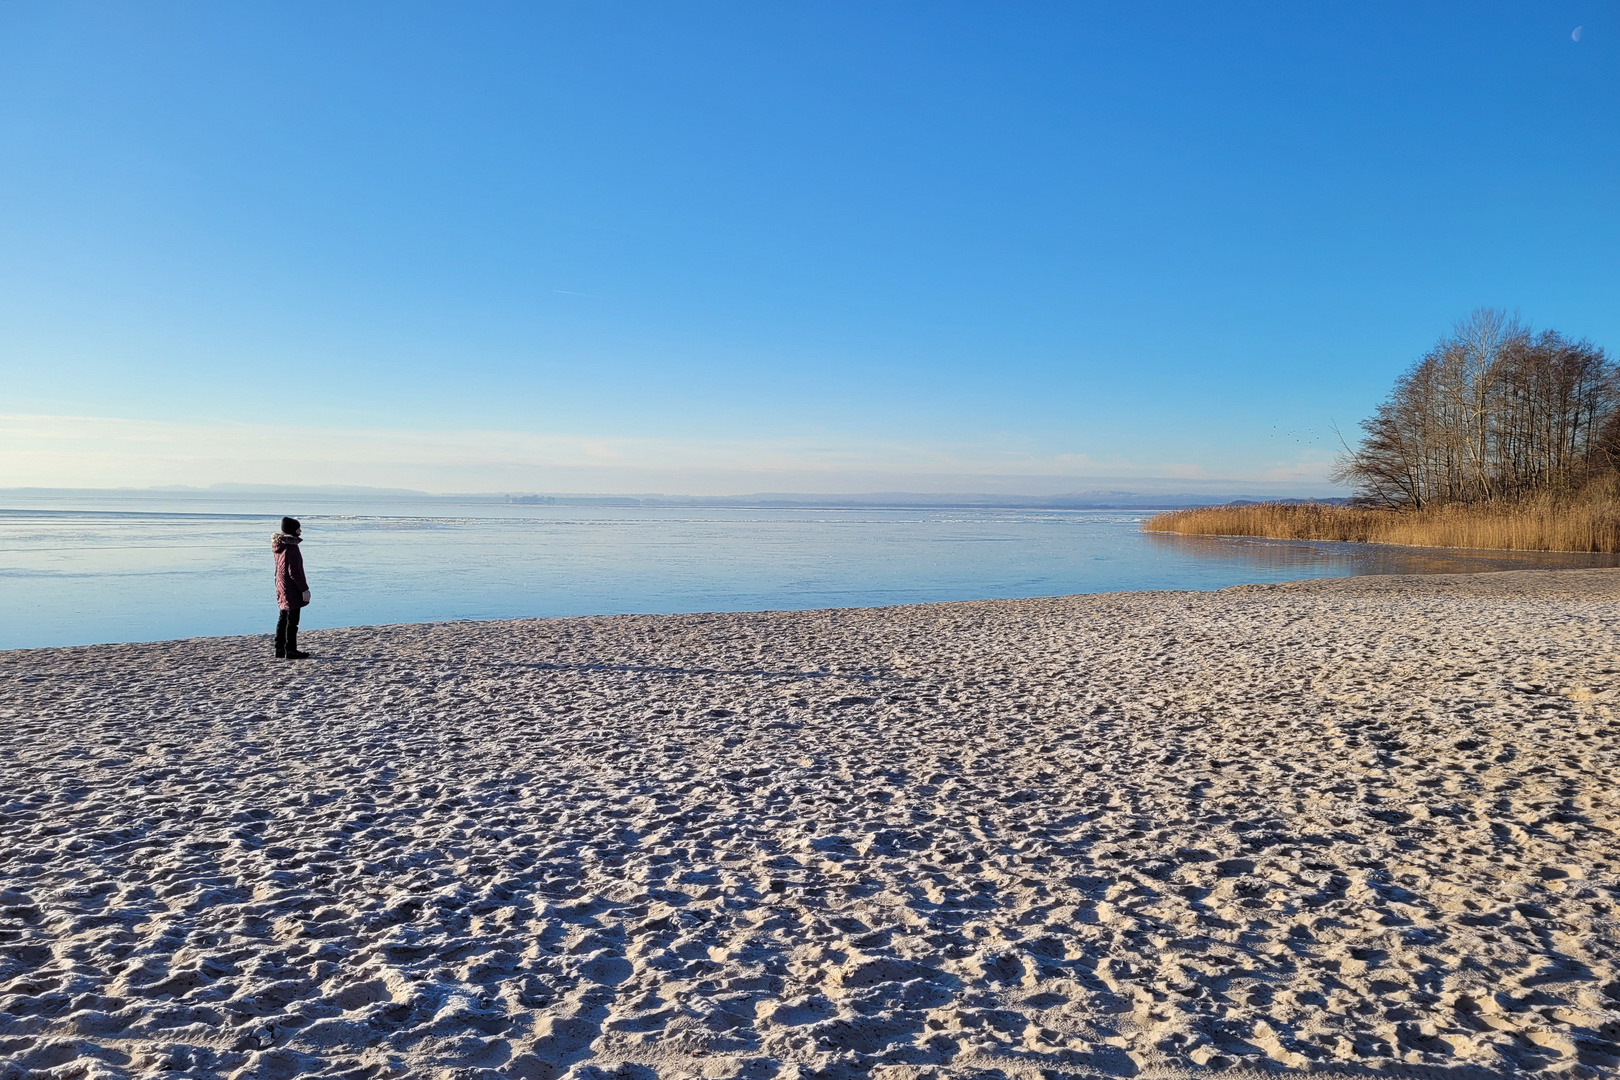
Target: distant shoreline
x=1111 y=499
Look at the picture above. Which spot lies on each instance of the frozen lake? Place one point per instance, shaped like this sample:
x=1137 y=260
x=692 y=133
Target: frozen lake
x=78 y=571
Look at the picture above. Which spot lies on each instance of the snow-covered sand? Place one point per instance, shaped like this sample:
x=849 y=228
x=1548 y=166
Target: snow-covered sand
x=1365 y=826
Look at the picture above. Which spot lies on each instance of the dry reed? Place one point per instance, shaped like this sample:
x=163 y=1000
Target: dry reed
x=1589 y=521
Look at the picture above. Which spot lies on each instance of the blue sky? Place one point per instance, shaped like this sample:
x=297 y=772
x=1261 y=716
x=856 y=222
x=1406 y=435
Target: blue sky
x=768 y=247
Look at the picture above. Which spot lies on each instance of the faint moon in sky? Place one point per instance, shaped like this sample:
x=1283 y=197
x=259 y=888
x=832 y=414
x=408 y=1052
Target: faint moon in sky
x=1575 y=35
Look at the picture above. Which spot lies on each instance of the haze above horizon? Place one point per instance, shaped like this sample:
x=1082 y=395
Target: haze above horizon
x=726 y=248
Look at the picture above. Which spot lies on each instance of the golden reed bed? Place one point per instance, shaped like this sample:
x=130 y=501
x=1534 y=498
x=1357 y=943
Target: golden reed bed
x=1542 y=524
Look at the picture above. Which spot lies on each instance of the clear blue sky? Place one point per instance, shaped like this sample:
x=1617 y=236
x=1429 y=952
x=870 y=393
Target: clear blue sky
x=819 y=247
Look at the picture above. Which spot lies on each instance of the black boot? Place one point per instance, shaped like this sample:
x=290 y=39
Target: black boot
x=292 y=640
x=287 y=637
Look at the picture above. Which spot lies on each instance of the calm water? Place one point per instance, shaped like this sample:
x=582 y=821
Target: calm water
x=143 y=569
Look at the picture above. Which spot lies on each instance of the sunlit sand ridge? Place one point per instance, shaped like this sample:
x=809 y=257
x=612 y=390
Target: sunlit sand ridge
x=1359 y=826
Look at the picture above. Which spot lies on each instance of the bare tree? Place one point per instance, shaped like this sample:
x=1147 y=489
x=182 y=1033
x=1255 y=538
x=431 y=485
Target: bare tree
x=1492 y=411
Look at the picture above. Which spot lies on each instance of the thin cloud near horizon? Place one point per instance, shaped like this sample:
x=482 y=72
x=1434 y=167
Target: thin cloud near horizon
x=102 y=452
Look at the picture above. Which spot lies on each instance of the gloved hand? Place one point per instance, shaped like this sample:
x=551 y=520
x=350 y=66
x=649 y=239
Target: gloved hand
x=306 y=596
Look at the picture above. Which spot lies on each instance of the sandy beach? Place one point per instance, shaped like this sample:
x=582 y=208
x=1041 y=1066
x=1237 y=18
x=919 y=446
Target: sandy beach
x=1362 y=826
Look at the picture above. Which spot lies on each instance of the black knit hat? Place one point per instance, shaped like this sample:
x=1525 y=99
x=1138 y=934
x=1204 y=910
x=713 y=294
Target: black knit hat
x=290 y=525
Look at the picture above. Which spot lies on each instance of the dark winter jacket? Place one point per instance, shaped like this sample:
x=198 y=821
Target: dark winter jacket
x=291 y=588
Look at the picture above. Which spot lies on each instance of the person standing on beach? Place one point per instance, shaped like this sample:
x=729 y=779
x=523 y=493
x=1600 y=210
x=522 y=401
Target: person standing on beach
x=292 y=591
